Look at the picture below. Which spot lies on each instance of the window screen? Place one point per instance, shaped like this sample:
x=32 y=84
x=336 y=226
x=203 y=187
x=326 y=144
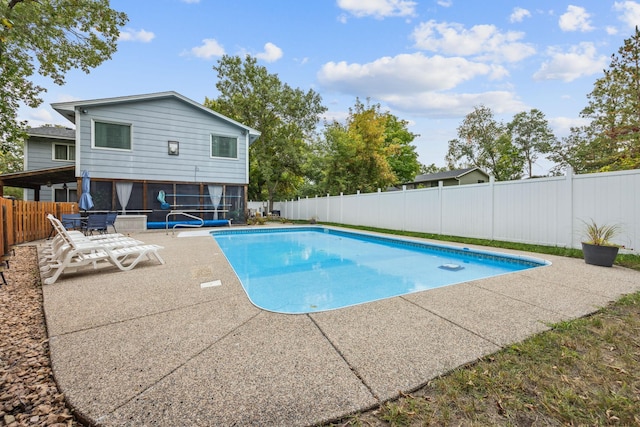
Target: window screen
x=224 y=146
x=112 y=135
x=64 y=152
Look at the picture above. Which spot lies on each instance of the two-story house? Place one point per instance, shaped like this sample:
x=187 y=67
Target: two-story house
x=136 y=148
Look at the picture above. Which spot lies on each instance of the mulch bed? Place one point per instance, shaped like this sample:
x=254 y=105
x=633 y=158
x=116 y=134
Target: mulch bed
x=29 y=395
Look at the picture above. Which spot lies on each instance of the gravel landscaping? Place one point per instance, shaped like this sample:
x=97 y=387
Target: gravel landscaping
x=28 y=393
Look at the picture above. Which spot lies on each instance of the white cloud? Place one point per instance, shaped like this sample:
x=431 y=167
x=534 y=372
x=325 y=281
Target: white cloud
x=41 y=115
x=131 y=35
x=482 y=41
x=271 y=53
x=575 y=18
x=417 y=83
x=338 y=116
x=379 y=9
x=581 y=60
x=207 y=50
x=445 y=3
x=612 y=31
x=562 y=125
x=456 y=104
x=408 y=73
x=630 y=12
x=519 y=14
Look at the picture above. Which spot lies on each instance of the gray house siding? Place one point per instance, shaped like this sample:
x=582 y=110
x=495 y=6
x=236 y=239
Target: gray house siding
x=474 y=177
x=39 y=155
x=153 y=124
x=190 y=179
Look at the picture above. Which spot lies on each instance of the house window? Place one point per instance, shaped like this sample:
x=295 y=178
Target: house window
x=224 y=146
x=65 y=195
x=112 y=135
x=64 y=152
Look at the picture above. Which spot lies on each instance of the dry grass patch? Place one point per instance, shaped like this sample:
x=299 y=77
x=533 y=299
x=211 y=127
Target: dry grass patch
x=581 y=372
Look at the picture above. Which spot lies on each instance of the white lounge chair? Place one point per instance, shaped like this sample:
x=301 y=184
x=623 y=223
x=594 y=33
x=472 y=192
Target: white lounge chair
x=80 y=254
x=55 y=248
x=58 y=249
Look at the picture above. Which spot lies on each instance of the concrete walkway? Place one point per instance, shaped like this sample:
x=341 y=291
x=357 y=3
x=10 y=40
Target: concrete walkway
x=152 y=347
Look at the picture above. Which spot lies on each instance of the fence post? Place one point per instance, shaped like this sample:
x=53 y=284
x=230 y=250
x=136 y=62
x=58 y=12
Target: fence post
x=379 y=207
x=404 y=208
x=327 y=207
x=569 y=198
x=492 y=182
x=341 y=207
x=358 y=218
x=440 y=203
x=4 y=227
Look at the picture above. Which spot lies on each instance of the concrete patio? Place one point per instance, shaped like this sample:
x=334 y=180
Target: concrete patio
x=152 y=347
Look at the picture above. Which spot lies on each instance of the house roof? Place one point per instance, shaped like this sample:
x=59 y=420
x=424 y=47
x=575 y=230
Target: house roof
x=53 y=132
x=68 y=109
x=440 y=176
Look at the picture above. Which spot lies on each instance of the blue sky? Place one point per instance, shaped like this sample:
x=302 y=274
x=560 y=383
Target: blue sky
x=427 y=61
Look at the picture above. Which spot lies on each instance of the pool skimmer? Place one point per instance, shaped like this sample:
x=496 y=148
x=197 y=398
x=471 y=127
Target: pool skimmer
x=451 y=267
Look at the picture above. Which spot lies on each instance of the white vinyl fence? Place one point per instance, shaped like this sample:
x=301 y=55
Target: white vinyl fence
x=545 y=211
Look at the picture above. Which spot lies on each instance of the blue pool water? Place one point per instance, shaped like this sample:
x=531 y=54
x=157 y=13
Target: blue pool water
x=310 y=269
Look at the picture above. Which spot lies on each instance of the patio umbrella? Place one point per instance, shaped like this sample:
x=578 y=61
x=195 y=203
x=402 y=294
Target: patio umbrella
x=85 y=202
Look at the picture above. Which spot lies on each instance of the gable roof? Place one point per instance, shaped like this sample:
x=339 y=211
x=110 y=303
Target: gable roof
x=68 y=109
x=440 y=176
x=52 y=132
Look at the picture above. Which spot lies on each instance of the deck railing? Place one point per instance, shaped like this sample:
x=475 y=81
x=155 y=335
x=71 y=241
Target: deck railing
x=25 y=221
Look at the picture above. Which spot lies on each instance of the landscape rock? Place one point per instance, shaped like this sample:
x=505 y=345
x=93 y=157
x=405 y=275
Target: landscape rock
x=29 y=395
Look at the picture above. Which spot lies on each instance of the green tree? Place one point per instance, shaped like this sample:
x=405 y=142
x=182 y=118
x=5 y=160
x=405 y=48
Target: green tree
x=611 y=141
x=531 y=135
x=432 y=168
x=575 y=150
x=485 y=143
x=371 y=150
x=54 y=36
x=286 y=117
x=11 y=160
x=11 y=157
x=614 y=107
x=401 y=155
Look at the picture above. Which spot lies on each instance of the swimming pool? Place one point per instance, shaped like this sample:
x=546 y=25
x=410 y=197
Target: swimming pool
x=299 y=270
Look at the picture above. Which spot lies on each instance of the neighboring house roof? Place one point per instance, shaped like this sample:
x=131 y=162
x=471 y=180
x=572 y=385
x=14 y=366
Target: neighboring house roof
x=68 y=109
x=441 y=176
x=53 y=132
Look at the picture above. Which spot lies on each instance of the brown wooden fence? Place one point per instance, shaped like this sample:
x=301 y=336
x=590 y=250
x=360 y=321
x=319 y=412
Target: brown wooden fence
x=24 y=221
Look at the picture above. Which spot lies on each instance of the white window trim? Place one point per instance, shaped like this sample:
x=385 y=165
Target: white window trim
x=111 y=122
x=53 y=151
x=225 y=136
